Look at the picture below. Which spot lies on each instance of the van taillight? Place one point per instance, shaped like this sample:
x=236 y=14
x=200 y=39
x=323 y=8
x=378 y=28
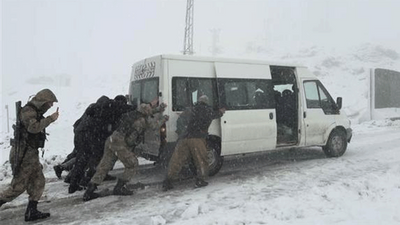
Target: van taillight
x=163 y=135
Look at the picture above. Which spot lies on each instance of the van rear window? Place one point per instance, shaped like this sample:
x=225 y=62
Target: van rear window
x=143 y=91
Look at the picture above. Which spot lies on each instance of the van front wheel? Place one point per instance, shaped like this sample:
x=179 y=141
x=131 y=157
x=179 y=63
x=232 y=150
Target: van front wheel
x=336 y=145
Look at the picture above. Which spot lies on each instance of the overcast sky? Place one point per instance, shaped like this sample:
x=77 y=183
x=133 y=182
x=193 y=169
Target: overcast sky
x=104 y=37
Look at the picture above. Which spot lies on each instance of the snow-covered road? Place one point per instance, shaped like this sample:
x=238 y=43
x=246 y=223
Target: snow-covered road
x=298 y=186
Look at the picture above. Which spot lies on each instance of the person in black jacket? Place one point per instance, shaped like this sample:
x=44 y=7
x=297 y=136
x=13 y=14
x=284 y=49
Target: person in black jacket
x=100 y=120
x=66 y=165
x=118 y=106
x=69 y=162
x=193 y=145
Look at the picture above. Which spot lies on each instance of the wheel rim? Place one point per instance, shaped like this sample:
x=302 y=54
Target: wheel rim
x=211 y=157
x=337 y=144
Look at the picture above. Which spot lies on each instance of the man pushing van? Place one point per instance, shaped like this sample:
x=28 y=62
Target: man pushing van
x=120 y=146
x=193 y=144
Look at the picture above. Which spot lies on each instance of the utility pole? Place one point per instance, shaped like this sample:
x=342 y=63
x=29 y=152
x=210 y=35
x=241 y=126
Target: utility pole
x=188 y=41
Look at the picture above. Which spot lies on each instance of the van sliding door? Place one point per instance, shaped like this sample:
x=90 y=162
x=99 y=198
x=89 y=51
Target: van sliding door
x=249 y=123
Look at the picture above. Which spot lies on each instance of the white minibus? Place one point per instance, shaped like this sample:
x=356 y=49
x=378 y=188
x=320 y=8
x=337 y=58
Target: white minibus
x=268 y=105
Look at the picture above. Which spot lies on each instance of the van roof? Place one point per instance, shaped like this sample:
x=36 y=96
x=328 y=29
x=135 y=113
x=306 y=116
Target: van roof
x=222 y=59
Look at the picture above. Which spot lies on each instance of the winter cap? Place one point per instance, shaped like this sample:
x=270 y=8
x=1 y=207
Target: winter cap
x=203 y=98
x=120 y=98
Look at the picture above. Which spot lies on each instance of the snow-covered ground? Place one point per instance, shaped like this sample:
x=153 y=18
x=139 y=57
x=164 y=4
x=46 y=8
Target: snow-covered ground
x=288 y=187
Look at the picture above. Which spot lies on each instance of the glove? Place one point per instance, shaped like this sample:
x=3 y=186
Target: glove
x=163 y=105
x=166 y=118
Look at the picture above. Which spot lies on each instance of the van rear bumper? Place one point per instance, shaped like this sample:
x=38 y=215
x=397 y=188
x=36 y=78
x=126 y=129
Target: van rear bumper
x=349 y=132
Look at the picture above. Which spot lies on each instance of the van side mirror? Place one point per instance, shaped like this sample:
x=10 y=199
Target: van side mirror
x=339 y=102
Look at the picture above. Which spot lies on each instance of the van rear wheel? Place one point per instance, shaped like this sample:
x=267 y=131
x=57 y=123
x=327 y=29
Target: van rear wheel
x=215 y=160
x=336 y=145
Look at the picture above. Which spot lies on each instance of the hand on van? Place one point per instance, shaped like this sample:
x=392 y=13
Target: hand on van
x=154 y=102
x=166 y=118
x=163 y=106
x=222 y=110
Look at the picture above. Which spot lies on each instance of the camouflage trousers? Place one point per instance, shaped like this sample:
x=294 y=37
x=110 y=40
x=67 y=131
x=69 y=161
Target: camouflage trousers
x=30 y=178
x=116 y=148
x=186 y=149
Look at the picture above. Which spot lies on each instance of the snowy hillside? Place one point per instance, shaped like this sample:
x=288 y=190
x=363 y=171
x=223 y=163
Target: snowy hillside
x=303 y=187
x=344 y=72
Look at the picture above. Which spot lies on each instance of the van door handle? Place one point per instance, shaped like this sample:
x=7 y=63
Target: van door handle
x=304 y=114
x=271 y=115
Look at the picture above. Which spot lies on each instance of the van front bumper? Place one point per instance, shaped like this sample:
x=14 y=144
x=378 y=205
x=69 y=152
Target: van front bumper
x=349 y=132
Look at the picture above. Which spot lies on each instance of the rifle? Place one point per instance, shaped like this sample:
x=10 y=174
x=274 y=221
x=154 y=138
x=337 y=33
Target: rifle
x=16 y=142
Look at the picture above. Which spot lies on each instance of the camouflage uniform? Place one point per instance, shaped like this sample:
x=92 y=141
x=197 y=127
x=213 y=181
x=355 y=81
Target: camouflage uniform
x=116 y=147
x=30 y=176
x=152 y=135
x=120 y=145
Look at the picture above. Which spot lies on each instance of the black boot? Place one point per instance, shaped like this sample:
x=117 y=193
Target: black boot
x=89 y=193
x=2 y=202
x=120 y=188
x=73 y=188
x=32 y=213
x=67 y=178
x=167 y=185
x=200 y=183
x=84 y=181
x=58 y=169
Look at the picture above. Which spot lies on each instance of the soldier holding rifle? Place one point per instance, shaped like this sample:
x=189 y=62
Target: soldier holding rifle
x=29 y=136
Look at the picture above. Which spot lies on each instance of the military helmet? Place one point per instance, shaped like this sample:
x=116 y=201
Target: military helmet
x=45 y=95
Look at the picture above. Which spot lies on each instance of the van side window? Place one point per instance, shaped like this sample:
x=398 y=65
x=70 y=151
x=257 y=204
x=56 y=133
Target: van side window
x=186 y=91
x=318 y=97
x=238 y=94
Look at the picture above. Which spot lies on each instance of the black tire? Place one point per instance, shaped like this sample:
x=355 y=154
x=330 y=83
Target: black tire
x=336 y=145
x=215 y=160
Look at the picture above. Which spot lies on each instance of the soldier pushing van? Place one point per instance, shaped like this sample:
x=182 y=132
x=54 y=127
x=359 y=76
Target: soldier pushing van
x=121 y=145
x=192 y=144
